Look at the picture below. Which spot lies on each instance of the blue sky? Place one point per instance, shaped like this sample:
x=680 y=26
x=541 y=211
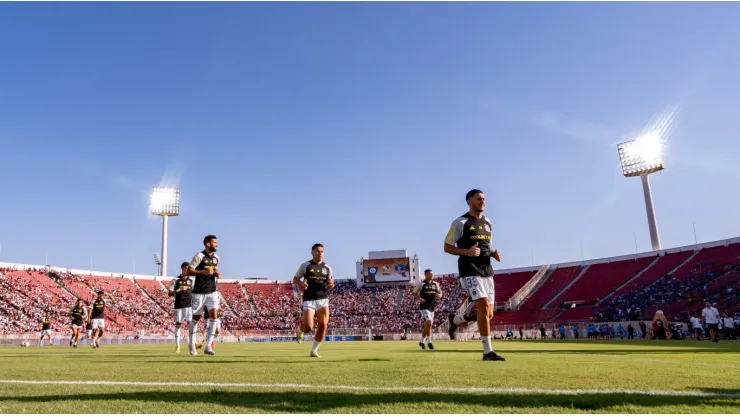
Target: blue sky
x=360 y=126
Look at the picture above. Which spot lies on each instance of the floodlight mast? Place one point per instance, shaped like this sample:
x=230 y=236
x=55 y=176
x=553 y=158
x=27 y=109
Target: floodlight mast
x=165 y=203
x=641 y=157
x=650 y=208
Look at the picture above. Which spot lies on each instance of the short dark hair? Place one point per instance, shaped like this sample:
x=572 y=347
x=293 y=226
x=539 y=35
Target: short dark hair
x=471 y=193
x=100 y=292
x=317 y=245
x=184 y=264
x=427 y=271
x=208 y=239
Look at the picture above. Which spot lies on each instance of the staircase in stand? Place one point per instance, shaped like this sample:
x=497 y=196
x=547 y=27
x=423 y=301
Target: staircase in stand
x=557 y=295
x=530 y=287
x=249 y=299
x=141 y=289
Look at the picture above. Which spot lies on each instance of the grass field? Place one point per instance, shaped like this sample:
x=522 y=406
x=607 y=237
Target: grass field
x=371 y=377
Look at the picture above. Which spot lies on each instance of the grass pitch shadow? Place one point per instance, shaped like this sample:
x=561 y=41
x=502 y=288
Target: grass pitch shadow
x=321 y=402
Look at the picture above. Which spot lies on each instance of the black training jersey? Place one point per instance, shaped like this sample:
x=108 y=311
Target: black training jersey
x=98 y=309
x=428 y=291
x=46 y=324
x=464 y=233
x=76 y=314
x=203 y=261
x=317 y=276
x=183 y=287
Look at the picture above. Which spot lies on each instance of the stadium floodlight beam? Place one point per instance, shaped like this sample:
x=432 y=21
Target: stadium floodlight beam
x=165 y=202
x=641 y=157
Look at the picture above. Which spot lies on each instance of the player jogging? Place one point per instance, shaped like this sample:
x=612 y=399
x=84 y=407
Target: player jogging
x=45 y=329
x=181 y=288
x=427 y=293
x=88 y=328
x=97 y=317
x=77 y=314
x=204 y=267
x=469 y=238
x=318 y=279
x=299 y=298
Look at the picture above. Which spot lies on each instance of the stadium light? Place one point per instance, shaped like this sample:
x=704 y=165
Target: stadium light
x=165 y=202
x=641 y=157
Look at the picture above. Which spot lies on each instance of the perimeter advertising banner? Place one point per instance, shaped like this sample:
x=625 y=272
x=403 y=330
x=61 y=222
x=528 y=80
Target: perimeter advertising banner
x=386 y=270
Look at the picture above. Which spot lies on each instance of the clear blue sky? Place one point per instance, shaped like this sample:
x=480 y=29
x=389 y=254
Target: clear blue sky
x=360 y=126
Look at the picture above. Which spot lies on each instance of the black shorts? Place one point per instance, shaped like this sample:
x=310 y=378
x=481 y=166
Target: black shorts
x=713 y=326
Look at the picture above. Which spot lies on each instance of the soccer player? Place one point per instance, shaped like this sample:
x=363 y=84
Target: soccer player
x=427 y=294
x=77 y=314
x=469 y=238
x=45 y=328
x=318 y=279
x=299 y=298
x=204 y=267
x=88 y=329
x=181 y=288
x=97 y=317
x=710 y=314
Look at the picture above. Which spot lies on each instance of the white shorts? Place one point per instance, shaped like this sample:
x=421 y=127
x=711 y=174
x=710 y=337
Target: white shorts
x=89 y=333
x=183 y=315
x=76 y=326
x=479 y=287
x=208 y=301
x=98 y=323
x=312 y=305
x=46 y=332
x=427 y=315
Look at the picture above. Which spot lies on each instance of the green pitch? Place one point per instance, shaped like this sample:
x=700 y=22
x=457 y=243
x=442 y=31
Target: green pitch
x=641 y=377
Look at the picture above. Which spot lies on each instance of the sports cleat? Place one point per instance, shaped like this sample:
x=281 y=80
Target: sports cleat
x=209 y=351
x=74 y=346
x=314 y=354
x=193 y=350
x=421 y=344
x=492 y=356
x=97 y=344
x=431 y=347
x=299 y=337
x=453 y=327
x=177 y=349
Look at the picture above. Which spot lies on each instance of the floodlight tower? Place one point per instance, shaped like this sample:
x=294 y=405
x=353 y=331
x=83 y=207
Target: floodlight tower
x=165 y=202
x=641 y=157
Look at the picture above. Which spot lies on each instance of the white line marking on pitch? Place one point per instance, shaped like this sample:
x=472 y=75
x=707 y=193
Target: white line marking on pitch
x=500 y=390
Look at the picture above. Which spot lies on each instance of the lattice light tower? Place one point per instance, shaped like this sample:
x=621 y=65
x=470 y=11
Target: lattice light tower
x=641 y=157
x=165 y=202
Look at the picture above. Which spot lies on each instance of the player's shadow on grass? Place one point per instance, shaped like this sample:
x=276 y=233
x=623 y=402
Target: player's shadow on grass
x=503 y=350
x=319 y=402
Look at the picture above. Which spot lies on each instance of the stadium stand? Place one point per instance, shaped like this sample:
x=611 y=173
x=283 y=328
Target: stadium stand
x=617 y=289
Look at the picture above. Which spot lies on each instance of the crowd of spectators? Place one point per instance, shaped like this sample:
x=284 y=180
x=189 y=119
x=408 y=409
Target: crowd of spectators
x=667 y=290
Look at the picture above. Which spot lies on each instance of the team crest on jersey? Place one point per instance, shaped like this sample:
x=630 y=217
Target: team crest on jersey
x=488 y=229
x=324 y=271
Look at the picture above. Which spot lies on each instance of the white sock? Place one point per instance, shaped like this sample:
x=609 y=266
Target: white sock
x=177 y=336
x=424 y=340
x=192 y=336
x=486 y=344
x=211 y=327
x=429 y=338
x=316 y=345
x=459 y=319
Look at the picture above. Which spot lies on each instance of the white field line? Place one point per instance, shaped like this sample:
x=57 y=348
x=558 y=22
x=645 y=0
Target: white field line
x=498 y=390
